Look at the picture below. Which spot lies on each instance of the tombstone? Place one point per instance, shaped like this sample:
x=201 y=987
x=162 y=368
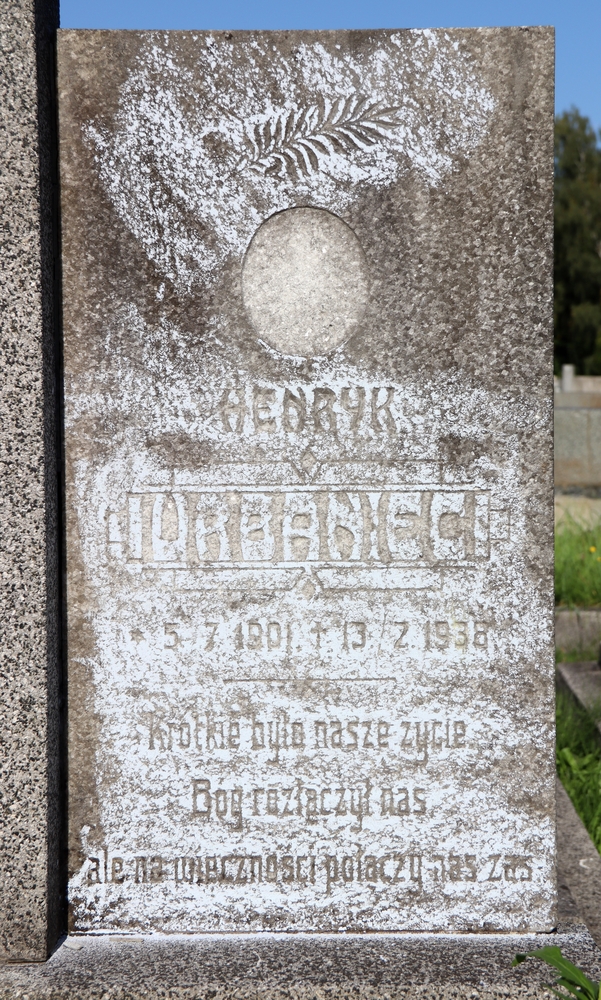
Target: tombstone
x=308 y=385
x=308 y=494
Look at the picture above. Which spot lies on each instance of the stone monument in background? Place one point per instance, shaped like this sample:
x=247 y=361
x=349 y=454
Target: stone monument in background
x=308 y=409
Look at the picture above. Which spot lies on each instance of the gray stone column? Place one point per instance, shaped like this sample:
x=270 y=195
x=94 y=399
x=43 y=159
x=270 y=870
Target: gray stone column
x=30 y=684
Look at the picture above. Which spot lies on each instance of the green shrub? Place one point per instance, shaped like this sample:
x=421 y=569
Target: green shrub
x=577 y=564
x=572 y=979
x=579 y=762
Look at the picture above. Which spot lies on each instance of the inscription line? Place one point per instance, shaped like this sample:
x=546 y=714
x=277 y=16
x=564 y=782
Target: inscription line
x=310 y=488
x=302 y=680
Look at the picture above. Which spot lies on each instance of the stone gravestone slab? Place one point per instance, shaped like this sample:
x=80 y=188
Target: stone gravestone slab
x=308 y=422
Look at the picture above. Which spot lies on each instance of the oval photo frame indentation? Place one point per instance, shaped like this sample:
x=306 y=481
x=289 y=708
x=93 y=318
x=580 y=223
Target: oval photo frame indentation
x=305 y=281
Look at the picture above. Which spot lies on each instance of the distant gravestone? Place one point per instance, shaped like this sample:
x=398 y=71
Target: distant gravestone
x=308 y=438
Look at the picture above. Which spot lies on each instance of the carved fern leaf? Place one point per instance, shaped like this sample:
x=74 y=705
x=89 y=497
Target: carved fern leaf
x=293 y=141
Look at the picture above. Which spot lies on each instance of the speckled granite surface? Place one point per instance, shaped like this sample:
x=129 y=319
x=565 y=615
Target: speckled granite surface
x=296 y=967
x=29 y=778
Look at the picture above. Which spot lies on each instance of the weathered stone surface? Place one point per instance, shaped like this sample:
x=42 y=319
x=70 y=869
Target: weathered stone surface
x=578 y=631
x=30 y=814
x=309 y=552
x=583 y=682
x=577 y=447
x=331 y=966
x=579 y=863
x=298 y=967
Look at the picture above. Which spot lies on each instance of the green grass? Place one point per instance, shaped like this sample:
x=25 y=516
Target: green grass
x=579 y=762
x=577 y=655
x=577 y=564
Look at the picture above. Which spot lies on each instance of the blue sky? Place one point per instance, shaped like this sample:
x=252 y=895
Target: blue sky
x=577 y=23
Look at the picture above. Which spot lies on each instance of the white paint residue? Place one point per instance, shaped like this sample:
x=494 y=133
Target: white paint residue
x=197 y=158
x=177 y=642
x=318 y=649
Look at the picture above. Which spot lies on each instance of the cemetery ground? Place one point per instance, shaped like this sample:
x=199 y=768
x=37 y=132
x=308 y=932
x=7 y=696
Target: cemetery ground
x=578 y=597
x=577 y=552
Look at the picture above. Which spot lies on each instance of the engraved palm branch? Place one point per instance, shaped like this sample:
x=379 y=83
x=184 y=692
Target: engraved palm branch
x=292 y=142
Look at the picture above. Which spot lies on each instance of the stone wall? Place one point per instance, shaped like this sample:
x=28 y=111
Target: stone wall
x=577 y=447
x=578 y=632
